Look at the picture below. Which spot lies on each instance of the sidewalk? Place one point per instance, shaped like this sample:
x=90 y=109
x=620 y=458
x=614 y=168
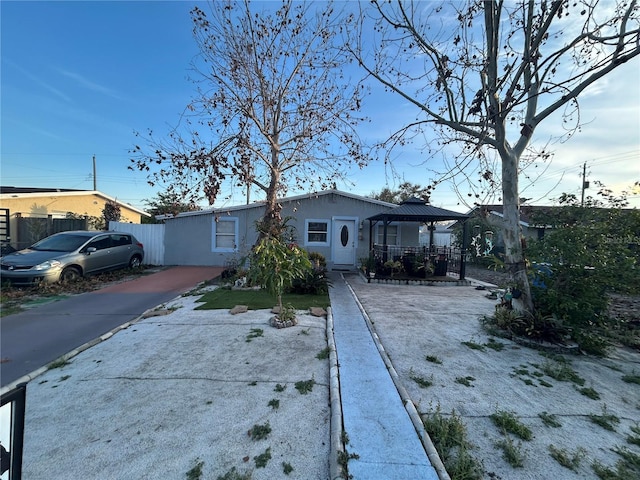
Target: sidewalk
x=379 y=428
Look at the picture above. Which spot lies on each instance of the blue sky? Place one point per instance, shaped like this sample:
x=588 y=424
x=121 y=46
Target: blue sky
x=78 y=78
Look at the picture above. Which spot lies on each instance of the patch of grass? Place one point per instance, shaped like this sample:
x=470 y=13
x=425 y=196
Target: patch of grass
x=234 y=475
x=631 y=459
x=422 y=382
x=274 y=403
x=279 y=388
x=633 y=378
x=58 y=364
x=466 y=381
x=521 y=371
x=286 y=468
x=260 y=432
x=222 y=298
x=509 y=422
x=606 y=420
x=64 y=377
x=449 y=435
x=433 y=359
x=344 y=457
x=634 y=439
x=511 y=452
x=627 y=467
x=545 y=383
x=608 y=473
x=567 y=459
x=254 y=333
x=262 y=459
x=549 y=420
x=305 y=386
x=196 y=472
x=323 y=354
x=589 y=392
x=474 y=346
x=562 y=372
x=494 y=345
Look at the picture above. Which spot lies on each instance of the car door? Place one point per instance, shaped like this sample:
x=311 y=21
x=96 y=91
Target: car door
x=100 y=259
x=121 y=247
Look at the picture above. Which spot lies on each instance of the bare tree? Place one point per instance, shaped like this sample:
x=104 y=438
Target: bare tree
x=485 y=74
x=273 y=110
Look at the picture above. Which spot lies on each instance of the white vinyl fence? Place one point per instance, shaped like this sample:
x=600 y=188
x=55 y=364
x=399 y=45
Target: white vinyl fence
x=150 y=235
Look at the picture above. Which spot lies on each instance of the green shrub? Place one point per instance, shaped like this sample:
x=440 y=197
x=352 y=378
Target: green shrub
x=318 y=260
x=314 y=282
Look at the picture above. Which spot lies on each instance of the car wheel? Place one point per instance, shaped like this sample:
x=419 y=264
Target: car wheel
x=135 y=262
x=70 y=274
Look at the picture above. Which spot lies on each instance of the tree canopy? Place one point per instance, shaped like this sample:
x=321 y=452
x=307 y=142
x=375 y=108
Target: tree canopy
x=273 y=108
x=405 y=191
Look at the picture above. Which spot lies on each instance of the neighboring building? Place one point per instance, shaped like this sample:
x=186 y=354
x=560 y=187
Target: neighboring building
x=51 y=206
x=486 y=223
x=330 y=222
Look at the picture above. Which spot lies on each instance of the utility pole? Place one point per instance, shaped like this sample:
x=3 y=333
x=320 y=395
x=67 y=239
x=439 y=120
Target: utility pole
x=585 y=184
x=95 y=182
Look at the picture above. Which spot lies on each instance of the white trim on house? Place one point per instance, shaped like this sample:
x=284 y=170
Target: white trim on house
x=224 y=233
x=327 y=232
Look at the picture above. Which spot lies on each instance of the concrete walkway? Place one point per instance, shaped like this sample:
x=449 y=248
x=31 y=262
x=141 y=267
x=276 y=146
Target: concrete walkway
x=379 y=428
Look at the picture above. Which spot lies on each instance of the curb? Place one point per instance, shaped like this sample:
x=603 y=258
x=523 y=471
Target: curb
x=427 y=444
x=336 y=471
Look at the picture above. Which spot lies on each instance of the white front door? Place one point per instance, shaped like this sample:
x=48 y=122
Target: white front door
x=344 y=242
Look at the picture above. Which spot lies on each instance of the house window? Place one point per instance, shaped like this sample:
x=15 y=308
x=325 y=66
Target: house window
x=393 y=235
x=317 y=232
x=225 y=235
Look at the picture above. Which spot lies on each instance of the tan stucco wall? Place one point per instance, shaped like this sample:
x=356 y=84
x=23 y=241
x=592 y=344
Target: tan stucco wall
x=58 y=206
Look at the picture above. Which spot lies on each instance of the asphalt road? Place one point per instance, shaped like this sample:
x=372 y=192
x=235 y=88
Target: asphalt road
x=36 y=337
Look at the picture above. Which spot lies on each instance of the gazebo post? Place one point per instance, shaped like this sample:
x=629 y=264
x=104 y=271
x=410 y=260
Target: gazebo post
x=385 y=247
x=463 y=251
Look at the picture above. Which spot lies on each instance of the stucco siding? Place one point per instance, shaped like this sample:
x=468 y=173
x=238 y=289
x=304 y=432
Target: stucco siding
x=58 y=206
x=189 y=238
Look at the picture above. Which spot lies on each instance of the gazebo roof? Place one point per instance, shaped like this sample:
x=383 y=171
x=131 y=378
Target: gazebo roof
x=415 y=210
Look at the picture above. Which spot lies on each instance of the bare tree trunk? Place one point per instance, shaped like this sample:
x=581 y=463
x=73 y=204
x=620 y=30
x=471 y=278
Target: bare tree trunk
x=272 y=220
x=512 y=232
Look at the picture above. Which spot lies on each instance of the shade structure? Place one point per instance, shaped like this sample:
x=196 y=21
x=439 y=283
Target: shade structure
x=416 y=210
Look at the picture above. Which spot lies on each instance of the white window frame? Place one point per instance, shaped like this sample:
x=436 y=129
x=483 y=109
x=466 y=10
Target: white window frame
x=214 y=235
x=326 y=243
x=380 y=232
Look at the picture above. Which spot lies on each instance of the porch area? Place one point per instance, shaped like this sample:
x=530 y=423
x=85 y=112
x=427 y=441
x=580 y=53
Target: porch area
x=424 y=265
x=416 y=264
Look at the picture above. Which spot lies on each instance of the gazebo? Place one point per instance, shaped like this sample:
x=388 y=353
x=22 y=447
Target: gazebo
x=416 y=210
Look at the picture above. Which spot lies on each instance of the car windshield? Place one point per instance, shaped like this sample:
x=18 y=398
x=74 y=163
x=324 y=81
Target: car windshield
x=60 y=243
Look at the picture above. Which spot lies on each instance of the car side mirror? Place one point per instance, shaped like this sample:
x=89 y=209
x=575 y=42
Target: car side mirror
x=90 y=250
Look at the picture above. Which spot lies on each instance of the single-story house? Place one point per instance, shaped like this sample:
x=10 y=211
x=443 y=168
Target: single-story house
x=52 y=205
x=329 y=222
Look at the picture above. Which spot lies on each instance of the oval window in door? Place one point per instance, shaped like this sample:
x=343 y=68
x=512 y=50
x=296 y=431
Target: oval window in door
x=344 y=235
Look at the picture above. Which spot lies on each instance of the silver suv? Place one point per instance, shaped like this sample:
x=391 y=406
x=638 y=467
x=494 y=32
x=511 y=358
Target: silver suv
x=68 y=256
